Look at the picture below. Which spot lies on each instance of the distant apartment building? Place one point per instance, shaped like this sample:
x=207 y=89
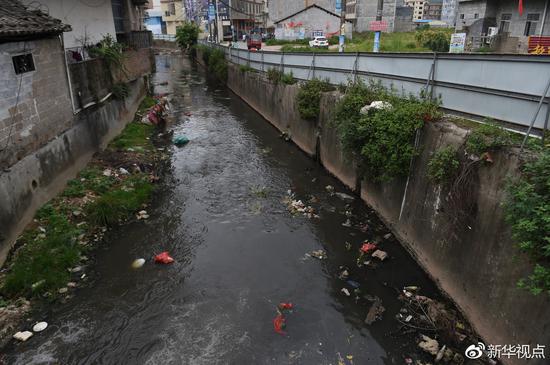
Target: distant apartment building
x=419 y=6
x=172 y=14
x=433 y=9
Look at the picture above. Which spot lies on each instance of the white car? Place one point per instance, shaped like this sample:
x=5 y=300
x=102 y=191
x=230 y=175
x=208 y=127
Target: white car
x=318 y=42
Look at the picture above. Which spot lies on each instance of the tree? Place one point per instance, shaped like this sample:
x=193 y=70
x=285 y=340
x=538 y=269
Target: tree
x=187 y=35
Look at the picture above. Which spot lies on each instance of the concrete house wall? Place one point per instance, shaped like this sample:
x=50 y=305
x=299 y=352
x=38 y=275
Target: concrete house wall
x=89 y=21
x=280 y=9
x=366 y=13
x=314 y=19
x=43 y=106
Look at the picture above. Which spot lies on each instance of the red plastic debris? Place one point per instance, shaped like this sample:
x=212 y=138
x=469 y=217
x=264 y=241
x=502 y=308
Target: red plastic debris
x=368 y=247
x=164 y=258
x=283 y=306
x=279 y=324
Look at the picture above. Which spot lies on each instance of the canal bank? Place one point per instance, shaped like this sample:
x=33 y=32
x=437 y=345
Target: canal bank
x=222 y=213
x=475 y=262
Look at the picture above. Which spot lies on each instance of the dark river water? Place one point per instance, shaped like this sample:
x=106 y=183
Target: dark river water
x=238 y=253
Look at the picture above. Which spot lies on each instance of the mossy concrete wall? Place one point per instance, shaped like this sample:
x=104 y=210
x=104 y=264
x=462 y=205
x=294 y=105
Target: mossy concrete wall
x=41 y=175
x=473 y=259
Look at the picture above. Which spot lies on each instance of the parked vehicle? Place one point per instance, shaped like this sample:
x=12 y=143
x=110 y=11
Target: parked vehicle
x=319 y=42
x=254 y=40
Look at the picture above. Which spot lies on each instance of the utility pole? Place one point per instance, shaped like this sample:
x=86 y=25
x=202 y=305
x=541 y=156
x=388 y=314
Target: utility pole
x=342 y=37
x=379 y=8
x=217 y=20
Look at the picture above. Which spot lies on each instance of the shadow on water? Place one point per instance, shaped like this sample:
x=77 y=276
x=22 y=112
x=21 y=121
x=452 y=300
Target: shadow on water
x=238 y=253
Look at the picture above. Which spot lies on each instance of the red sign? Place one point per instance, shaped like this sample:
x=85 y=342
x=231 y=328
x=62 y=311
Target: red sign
x=378 y=25
x=539 y=45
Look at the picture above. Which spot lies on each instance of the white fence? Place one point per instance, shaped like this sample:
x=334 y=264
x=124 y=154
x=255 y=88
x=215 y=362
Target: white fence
x=507 y=88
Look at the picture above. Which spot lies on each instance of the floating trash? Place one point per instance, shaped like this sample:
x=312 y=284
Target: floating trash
x=40 y=326
x=163 y=258
x=180 y=140
x=138 y=263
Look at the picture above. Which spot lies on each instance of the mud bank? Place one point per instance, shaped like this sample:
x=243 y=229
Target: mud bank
x=475 y=261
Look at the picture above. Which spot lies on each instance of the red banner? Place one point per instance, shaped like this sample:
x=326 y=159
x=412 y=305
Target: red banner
x=520 y=7
x=539 y=45
x=378 y=25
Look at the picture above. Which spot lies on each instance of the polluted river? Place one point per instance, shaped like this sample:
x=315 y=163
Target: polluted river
x=228 y=211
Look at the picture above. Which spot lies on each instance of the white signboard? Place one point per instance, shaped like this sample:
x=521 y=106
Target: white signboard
x=458 y=41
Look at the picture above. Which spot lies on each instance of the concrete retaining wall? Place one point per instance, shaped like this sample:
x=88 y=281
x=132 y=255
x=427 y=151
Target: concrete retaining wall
x=473 y=260
x=40 y=176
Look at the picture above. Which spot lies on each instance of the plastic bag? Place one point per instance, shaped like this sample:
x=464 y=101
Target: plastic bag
x=164 y=258
x=279 y=324
x=368 y=247
x=180 y=140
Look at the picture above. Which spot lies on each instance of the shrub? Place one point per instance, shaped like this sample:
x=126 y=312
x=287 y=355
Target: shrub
x=438 y=40
x=527 y=210
x=487 y=137
x=309 y=98
x=443 y=165
x=109 y=50
x=187 y=35
x=382 y=141
x=217 y=64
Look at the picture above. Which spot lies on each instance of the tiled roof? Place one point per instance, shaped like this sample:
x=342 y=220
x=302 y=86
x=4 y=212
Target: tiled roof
x=16 y=20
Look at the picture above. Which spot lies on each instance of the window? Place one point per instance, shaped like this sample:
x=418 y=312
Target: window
x=476 y=15
x=172 y=8
x=531 y=24
x=461 y=16
x=23 y=63
x=504 y=26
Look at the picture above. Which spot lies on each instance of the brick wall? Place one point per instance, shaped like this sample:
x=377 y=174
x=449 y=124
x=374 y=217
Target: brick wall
x=43 y=106
x=136 y=64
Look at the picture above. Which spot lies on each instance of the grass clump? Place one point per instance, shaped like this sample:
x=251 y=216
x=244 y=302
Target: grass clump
x=309 y=97
x=288 y=79
x=443 y=165
x=275 y=76
x=134 y=136
x=527 y=209
x=245 y=68
x=41 y=263
x=116 y=205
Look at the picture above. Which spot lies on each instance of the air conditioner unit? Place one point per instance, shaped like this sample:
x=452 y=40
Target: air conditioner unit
x=492 y=31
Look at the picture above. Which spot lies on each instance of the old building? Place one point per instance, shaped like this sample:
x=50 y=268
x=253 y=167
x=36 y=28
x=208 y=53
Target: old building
x=310 y=22
x=448 y=12
x=433 y=9
x=35 y=102
x=418 y=8
x=247 y=15
x=482 y=18
x=90 y=21
x=173 y=14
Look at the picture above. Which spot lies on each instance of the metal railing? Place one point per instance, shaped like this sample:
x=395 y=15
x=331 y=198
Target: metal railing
x=165 y=37
x=507 y=88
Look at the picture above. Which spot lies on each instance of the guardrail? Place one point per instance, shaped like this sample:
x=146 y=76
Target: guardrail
x=165 y=37
x=507 y=88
